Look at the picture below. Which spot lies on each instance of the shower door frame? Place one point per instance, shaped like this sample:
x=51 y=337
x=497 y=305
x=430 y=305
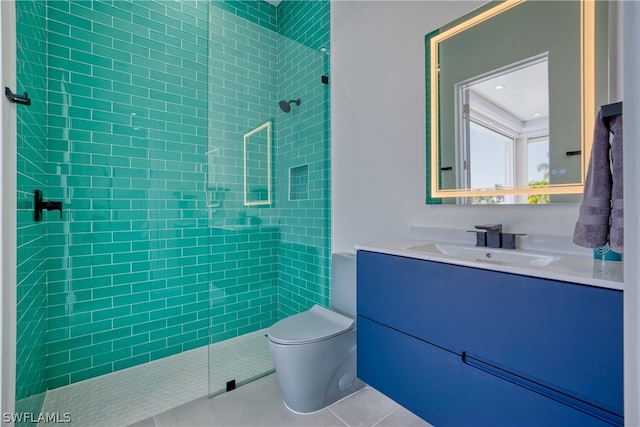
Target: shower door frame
x=8 y=207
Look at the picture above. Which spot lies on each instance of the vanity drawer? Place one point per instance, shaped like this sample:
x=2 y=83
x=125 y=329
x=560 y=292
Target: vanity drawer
x=437 y=386
x=564 y=336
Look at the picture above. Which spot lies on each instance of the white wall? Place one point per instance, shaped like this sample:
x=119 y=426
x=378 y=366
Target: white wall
x=8 y=210
x=631 y=132
x=378 y=128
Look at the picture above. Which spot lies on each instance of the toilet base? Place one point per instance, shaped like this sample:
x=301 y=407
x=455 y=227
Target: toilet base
x=355 y=389
x=302 y=413
x=313 y=376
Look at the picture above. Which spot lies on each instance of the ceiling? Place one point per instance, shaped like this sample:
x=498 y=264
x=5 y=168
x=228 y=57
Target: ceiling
x=525 y=91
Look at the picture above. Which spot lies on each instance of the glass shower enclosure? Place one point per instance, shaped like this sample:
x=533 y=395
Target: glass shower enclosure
x=188 y=145
x=268 y=177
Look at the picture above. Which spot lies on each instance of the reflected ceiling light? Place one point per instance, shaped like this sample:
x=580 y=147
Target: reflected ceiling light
x=499 y=87
x=537 y=114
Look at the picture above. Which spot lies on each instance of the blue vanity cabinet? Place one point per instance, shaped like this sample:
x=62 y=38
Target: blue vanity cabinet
x=435 y=385
x=551 y=340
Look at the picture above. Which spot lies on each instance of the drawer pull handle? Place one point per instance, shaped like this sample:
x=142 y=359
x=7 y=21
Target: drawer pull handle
x=551 y=393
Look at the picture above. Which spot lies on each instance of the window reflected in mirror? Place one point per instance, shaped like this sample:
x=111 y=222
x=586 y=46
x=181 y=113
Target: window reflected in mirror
x=504 y=129
x=491 y=161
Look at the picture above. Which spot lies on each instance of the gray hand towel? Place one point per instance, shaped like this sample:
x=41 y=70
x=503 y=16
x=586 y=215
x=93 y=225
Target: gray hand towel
x=592 y=227
x=616 y=233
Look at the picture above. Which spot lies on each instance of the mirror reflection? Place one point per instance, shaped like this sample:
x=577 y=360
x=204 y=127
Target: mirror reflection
x=504 y=130
x=511 y=100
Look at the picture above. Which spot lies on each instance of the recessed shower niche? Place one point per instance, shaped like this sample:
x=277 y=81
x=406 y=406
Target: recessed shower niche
x=299 y=182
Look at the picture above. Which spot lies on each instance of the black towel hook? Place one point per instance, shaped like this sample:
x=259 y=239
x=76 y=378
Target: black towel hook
x=611 y=110
x=17 y=99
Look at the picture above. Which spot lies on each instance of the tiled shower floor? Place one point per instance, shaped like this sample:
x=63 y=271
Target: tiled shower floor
x=124 y=397
x=242 y=359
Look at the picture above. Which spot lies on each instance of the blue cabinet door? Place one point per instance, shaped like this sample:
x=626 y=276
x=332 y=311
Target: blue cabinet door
x=564 y=336
x=437 y=386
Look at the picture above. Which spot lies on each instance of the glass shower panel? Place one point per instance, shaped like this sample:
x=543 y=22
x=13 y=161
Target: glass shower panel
x=31 y=269
x=269 y=254
x=127 y=279
x=242 y=98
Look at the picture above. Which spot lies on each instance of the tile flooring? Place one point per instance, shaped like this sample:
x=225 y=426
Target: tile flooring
x=174 y=392
x=260 y=404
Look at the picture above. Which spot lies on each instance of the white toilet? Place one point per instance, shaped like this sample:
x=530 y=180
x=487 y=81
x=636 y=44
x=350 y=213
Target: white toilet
x=314 y=352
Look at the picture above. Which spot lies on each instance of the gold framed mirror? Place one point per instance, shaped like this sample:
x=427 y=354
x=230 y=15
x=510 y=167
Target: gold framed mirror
x=549 y=48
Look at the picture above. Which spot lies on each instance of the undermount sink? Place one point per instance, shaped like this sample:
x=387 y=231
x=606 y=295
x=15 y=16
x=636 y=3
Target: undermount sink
x=472 y=253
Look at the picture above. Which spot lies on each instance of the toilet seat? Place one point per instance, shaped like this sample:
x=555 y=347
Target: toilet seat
x=313 y=325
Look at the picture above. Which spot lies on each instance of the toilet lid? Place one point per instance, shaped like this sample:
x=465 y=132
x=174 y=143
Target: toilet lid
x=315 y=324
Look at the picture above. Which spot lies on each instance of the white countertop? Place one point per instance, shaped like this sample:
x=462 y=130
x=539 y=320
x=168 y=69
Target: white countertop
x=578 y=268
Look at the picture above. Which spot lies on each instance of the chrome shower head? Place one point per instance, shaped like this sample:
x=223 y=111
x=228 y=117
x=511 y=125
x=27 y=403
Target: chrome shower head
x=286 y=106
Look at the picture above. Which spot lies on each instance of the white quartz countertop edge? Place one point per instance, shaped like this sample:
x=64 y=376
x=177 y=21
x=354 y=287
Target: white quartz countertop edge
x=572 y=269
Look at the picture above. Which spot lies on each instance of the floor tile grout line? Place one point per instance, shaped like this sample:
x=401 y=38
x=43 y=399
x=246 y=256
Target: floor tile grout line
x=348 y=396
x=386 y=416
x=338 y=416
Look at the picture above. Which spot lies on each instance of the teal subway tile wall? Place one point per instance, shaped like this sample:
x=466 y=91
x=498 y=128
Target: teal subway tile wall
x=303 y=139
x=142 y=141
x=256 y=12
x=128 y=265
x=244 y=280
x=31 y=236
x=428 y=199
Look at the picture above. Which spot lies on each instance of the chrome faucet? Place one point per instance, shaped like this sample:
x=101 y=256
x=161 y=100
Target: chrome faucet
x=491 y=236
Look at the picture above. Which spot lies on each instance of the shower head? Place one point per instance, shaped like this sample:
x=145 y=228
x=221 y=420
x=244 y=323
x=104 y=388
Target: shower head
x=286 y=106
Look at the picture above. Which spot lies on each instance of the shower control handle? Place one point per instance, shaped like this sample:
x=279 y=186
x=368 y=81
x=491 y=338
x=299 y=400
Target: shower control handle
x=39 y=205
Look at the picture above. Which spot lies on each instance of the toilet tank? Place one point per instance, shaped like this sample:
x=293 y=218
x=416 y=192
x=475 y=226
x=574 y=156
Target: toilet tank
x=343 y=284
